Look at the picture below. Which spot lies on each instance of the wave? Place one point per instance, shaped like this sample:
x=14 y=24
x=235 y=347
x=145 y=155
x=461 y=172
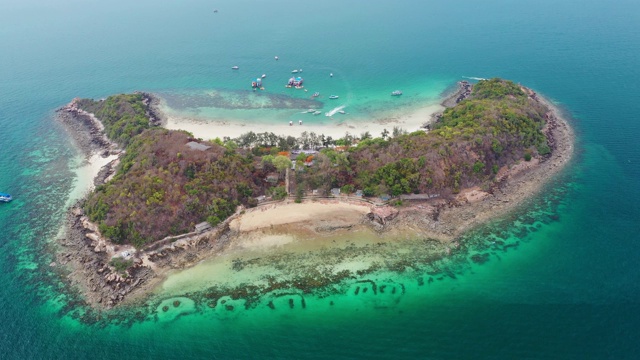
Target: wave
x=474 y=78
x=334 y=111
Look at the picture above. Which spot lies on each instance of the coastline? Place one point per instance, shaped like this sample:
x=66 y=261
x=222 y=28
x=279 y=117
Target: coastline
x=336 y=127
x=437 y=219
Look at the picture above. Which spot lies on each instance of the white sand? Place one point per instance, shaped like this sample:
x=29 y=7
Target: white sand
x=336 y=126
x=86 y=172
x=280 y=214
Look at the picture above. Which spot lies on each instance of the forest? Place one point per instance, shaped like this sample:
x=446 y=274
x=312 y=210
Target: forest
x=163 y=187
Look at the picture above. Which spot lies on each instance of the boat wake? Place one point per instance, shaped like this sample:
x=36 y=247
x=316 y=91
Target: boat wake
x=474 y=78
x=334 y=111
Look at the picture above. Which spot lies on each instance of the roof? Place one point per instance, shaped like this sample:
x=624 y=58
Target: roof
x=418 y=196
x=305 y=151
x=203 y=226
x=197 y=146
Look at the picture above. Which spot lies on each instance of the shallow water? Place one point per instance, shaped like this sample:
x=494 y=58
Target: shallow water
x=562 y=284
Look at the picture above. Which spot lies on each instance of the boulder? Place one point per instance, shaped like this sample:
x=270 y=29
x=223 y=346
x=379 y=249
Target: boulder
x=93 y=236
x=89 y=225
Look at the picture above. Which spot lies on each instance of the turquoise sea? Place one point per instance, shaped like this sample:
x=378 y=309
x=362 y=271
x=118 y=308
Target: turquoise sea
x=564 y=281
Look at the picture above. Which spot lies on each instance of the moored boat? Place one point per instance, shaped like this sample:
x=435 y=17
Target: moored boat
x=235 y=67
x=396 y=93
x=316 y=94
x=294 y=71
x=333 y=97
x=5 y=197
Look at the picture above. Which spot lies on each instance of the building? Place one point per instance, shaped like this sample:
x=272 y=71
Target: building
x=197 y=146
x=202 y=227
x=272 y=178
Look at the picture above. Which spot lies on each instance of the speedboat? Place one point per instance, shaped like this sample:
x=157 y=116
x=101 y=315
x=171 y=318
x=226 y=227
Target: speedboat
x=235 y=67
x=396 y=93
x=316 y=94
x=5 y=197
x=333 y=97
x=294 y=71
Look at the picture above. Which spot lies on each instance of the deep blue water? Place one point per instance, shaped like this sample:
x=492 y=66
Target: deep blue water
x=569 y=290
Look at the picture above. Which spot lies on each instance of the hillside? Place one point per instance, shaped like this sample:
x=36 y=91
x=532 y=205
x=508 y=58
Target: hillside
x=163 y=187
x=498 y=125
x=124 y=116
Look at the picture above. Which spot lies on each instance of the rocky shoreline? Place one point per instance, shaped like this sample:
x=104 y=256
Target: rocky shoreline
x=462 y=92
x=88 y=256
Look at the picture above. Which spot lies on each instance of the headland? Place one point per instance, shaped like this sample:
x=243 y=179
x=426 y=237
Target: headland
x=116 y=259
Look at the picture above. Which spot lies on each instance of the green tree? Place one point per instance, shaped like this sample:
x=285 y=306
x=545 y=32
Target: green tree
x=301 y=157
x=281 y=162
x=268 y=159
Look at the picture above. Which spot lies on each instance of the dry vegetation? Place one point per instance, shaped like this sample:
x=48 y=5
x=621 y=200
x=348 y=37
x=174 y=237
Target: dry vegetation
x=162 y=187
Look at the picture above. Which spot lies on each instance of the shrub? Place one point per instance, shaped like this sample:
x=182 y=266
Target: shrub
x=278 y=193
x=478 y=167
x=543 y=149
x=120 y=264
x=299 y=194
x=347 y=189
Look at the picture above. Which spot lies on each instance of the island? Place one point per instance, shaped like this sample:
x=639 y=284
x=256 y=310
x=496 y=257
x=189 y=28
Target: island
x=167 y=199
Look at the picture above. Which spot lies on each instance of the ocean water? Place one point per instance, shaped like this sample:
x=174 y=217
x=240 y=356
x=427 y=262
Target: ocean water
x=562 y=283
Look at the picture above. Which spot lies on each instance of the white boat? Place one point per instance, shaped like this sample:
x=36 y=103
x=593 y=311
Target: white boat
x=276 y=57
x=294 y=71
x=333 y=96
x=5 y=197
x=316 y=94
x=396 y=93
x=341 y=112
x=264 y=76
x=331 y=74
x=235 y=67
x=317 y=112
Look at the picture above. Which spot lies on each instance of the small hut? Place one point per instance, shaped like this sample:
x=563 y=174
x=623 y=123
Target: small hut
x=202 y=227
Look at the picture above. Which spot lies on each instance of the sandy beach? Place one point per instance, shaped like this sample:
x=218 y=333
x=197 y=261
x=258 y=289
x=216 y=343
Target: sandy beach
x=287 y=213
x=280 y=224
x=335 y=126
